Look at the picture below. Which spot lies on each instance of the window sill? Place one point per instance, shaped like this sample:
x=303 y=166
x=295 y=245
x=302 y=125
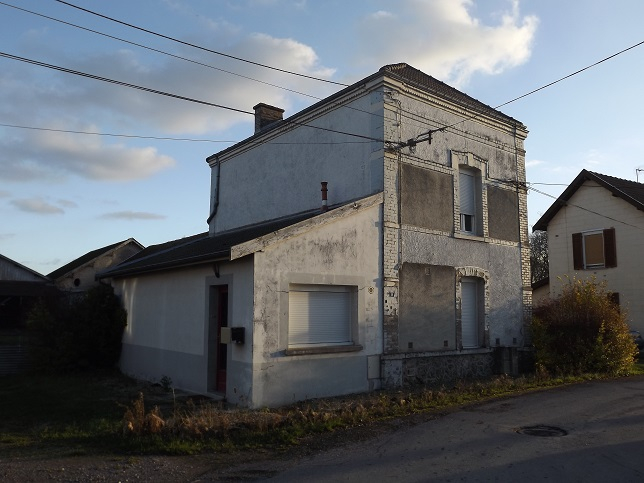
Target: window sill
x=335 y=349
x=467 y=236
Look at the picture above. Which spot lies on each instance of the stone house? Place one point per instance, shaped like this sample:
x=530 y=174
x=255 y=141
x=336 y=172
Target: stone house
x=79 y=275
x=375 y=239
x=594 y=230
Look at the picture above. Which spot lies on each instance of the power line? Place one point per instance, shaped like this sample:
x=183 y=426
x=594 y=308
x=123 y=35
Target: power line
x=158 y=138
x=200 y=47
x=155 y=50
x=176 y=96
x=121 y=83
x=444 y=128
x=167 y=138
x=568 y=203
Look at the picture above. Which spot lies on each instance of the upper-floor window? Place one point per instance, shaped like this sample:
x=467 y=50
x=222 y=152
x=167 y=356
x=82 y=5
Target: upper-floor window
x=469 y=196
x=594 y=249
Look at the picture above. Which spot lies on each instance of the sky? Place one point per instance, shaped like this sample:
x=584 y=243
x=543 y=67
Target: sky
x=64 y=192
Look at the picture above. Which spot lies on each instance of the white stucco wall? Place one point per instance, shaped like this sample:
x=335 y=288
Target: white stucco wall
x=168 y=322
x=609 y=212
x=345 y=251
x=282 y=175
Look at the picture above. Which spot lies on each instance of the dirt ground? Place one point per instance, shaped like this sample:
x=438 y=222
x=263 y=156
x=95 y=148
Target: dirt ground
x=237 y=466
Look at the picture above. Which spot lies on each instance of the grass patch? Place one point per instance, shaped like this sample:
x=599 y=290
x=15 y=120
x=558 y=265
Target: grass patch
x=112 y=414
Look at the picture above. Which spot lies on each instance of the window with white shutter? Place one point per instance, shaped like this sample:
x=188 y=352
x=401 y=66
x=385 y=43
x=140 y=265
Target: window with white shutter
x=468 y=201
x=320 y=315
x=469 y=313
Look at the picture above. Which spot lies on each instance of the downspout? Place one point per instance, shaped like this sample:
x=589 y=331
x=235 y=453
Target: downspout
x=215 y=205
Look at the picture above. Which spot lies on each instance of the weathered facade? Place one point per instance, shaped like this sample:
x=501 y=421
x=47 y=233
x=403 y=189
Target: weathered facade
x=417 y=273
x=594 y=231
x=79 y=275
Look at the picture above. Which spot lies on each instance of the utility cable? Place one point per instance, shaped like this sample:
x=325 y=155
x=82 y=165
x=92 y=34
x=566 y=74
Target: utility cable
x=175 y=96
x=444 y=128
x=200 y=47
x=568 y=203
x=155 y=50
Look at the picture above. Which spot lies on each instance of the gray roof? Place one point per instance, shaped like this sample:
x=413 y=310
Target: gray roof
x=404 y=73
x=200 y=248
x=88 y=257
x=630 y=191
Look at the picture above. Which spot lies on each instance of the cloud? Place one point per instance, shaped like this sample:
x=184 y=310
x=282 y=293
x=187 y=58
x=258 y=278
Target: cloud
x=5 y=194
x=6 y=236
x=533 y=162
x=37 y=205
x=444 y=39
x=132 y=215
x=34 y=155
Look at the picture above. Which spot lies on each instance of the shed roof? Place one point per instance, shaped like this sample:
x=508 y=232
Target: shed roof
x=200 y=248
x=630 y=191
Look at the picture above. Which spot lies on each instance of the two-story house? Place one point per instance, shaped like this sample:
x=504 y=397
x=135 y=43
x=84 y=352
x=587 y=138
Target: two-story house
x=594 y=230
x=377 y=238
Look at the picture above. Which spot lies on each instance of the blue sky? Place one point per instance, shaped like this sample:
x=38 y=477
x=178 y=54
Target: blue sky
x=64 y=194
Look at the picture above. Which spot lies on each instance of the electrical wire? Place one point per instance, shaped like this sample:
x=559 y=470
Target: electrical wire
x=568 y=203
x=156 y=50
x=240 y=59
x=470 y=118
x=175 y=96
x=121 y=83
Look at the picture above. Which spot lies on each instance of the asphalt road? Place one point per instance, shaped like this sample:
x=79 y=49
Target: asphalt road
x=594 y=432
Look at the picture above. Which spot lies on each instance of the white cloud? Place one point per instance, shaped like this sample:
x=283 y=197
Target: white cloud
x=55 y=155
x=533 y=162
x=37 y=205
x=444 y=39
x=132 y=215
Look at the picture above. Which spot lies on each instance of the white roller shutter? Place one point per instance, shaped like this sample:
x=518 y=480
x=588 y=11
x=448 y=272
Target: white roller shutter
x=319 y=316
x=469 y=314
x=466 y=192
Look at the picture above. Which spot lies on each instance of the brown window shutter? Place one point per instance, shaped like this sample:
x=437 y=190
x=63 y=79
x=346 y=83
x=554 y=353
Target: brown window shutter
x=577 y=252
x=610 y=250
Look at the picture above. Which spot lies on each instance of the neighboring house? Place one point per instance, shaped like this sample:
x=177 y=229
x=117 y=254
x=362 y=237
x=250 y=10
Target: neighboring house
x=417 y=271
x=20 y=288
x=595 y=230
x=79 y=275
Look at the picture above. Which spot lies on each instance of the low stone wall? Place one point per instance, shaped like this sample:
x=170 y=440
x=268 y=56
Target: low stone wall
x=446 y=369
x=431 y=368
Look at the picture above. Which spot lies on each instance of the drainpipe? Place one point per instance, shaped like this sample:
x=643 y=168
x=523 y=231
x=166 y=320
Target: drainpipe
x=216 y=202
x=324 y=202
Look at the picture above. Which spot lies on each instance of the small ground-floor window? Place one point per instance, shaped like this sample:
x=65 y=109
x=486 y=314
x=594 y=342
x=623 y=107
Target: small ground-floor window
x=320 y=314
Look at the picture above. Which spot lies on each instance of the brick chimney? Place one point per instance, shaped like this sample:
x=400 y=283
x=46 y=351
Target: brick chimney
x=265 y=115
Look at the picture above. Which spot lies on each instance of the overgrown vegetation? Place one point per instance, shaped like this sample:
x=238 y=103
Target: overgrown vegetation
x=539 y=255
x=107 y=413
x=77 y=333
x=582 y=331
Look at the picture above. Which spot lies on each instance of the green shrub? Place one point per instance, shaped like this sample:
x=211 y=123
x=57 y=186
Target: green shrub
x=582 y=331
x=77 y=333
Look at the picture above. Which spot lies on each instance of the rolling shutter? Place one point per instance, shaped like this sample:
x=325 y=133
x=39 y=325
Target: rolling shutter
x=469 y=314
x=468 y=203
x=319 y=317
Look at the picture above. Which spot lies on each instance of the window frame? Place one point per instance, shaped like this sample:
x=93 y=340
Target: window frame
x=472 y=330
x=609 y=249
x=320 y=294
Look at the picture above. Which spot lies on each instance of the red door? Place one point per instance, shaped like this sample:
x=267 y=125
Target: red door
x=222 y=349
